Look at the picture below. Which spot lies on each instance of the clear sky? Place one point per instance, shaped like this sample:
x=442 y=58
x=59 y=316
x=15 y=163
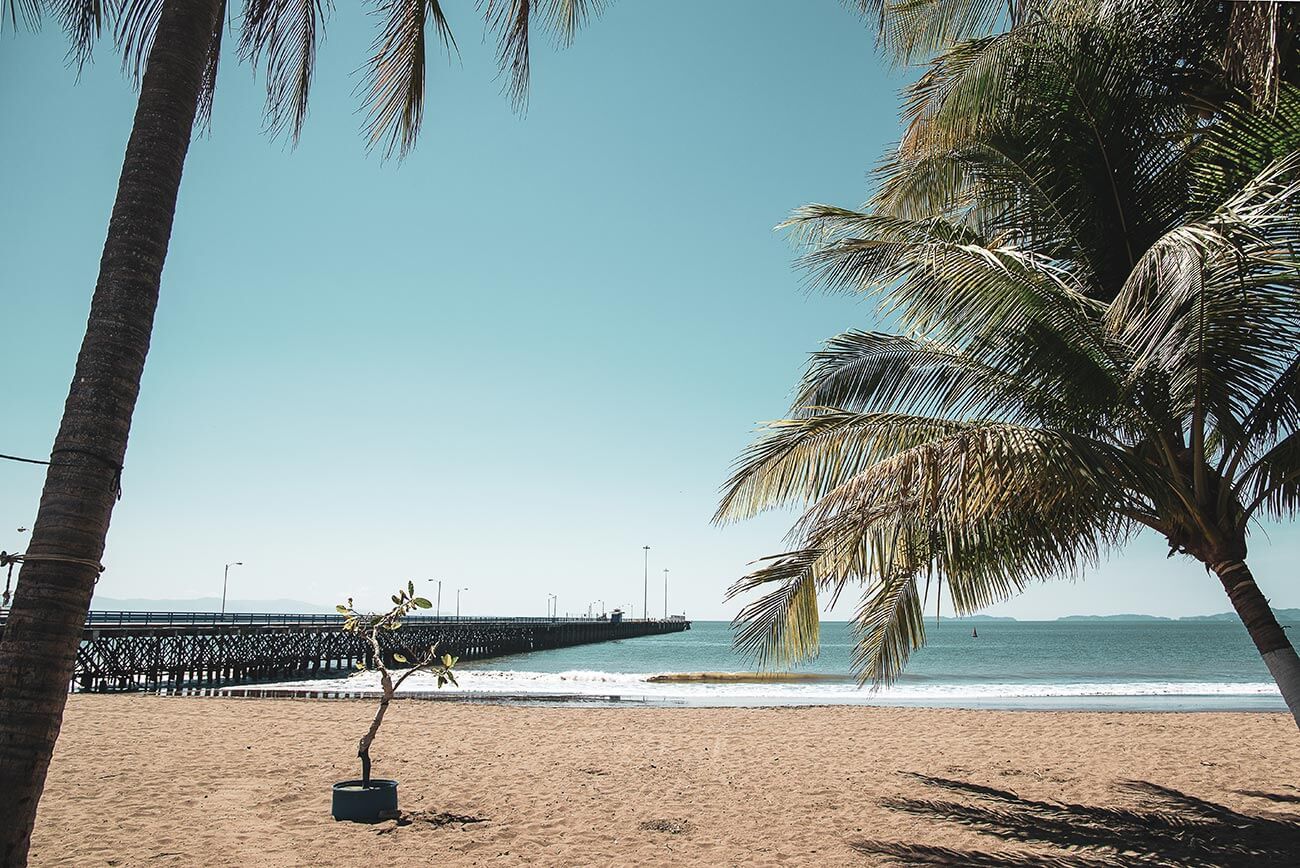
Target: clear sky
x=510 y=361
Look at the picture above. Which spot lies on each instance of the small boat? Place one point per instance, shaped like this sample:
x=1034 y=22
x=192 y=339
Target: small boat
x=974 y=633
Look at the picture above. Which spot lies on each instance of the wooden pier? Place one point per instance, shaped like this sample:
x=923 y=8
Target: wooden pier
x=155 y=650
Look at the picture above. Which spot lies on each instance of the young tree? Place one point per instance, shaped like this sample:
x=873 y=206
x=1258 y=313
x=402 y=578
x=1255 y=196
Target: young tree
x=370 y=626
x=174 y=47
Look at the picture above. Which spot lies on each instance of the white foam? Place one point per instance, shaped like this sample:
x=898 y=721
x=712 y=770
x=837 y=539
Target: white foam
x=607 y=685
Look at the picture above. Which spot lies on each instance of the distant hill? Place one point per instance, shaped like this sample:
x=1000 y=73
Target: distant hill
x=1125 y=617
x=1286 y=616
x=206 y=604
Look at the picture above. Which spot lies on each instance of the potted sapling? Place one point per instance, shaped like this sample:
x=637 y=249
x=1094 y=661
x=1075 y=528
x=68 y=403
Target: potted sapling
x=369 y=800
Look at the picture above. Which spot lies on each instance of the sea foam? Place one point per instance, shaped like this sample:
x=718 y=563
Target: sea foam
x=745 y=688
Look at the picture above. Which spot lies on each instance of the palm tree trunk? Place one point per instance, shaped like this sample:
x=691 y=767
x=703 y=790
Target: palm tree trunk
x=44 y=629
x=1265 y=632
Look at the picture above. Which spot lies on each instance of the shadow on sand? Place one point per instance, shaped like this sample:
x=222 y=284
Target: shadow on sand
x=1167 y=828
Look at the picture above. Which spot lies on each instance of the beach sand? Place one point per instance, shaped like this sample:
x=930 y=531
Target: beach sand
x=146 y=780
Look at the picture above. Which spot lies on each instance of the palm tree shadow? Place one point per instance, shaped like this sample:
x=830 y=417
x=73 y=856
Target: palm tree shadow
x=1167 y=828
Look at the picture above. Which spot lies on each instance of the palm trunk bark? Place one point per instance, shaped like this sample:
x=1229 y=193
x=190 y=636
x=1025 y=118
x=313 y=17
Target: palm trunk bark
x=43 y=632
x=1269 y=637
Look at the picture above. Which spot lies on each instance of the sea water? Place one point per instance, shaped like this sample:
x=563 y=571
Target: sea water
x=1098 y=665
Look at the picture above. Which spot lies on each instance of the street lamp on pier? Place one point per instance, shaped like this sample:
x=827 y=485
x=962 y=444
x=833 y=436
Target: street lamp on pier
x=437 y=607
x=225 y=579
x=645 y=586
x=665 y=593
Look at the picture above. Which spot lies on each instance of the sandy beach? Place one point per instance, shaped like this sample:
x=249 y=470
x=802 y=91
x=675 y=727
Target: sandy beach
x=146 y=780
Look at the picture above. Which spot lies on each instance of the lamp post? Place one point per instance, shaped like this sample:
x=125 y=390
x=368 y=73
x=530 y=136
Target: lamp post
x=437 y=607
x=225 y=579
x=602 y=607
x=8 y=594
x=552 y=606
x=645 y=586
x=665 y=593
x=458 y=590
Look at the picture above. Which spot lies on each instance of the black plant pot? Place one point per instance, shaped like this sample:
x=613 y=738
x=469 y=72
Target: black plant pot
x=361 y=804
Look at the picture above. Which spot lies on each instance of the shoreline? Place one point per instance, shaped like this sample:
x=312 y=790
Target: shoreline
x=1080 y=704
x=142 y=779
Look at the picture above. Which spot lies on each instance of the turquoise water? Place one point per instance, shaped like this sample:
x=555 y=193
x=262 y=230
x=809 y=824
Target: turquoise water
x=1045 y=665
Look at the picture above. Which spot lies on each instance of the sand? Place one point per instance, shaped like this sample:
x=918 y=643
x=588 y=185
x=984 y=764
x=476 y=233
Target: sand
x=145 y=780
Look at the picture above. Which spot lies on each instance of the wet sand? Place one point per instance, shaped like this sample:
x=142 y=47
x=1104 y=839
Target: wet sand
x=146 y=780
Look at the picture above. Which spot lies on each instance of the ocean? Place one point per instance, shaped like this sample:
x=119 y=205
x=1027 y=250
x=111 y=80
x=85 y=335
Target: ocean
x=1052 y=665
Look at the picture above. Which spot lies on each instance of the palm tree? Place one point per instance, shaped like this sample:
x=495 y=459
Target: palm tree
x=1254 y=39
x=174 y=46
x=1097 y=288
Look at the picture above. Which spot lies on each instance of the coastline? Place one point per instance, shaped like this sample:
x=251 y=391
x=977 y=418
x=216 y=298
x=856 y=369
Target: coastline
x=140 y=779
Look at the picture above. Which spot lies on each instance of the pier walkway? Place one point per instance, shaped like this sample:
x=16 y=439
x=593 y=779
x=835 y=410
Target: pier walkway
x=153 y=650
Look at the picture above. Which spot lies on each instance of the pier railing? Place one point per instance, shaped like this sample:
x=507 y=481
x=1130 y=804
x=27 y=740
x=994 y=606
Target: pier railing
x=188 y=619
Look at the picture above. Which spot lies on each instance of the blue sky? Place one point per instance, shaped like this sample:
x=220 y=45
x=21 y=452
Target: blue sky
x=508 y=362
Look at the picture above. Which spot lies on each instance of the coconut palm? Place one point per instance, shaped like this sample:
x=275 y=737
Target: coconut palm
x=173 y=46
x=1254 y=39
x=1097 y=294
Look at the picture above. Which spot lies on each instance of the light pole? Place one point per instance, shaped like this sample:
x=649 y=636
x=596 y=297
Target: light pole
x=645 y=587
x=8 y=594
x=437 y=607
x=225 y=578
x=665 y=593
x=552 y=606
x=458 y=590
x=602 y=607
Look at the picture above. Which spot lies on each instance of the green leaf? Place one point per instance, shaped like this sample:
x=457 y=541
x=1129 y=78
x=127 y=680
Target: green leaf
x=422 y=603
x=397 y=601
x=442 y=679
x=452 y=678
x=410 y=587
x=342 y=610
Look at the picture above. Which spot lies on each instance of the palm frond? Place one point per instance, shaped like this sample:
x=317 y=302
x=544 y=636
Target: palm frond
x=281 y=36
x=394 y=90
x=782 y=626
x=133 y=32
x=82 y=20
x=801 y=459
x=1272 y=482
x=1231 y=152
x=874 y=371
x=208 y=90
x=1255 y=48
x=28 y=10
x=890 y=625
x=512 y=22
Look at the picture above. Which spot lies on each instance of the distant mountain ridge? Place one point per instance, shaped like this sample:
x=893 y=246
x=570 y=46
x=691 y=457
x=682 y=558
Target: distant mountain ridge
x=1125 y=617
x=1286 y=616
x=207 y=604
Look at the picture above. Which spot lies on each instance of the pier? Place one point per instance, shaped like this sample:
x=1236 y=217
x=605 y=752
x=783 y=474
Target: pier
x=157 y=650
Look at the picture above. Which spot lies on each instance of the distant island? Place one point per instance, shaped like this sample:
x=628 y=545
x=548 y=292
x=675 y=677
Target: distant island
x=1127 y=617
x=1283 y=615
